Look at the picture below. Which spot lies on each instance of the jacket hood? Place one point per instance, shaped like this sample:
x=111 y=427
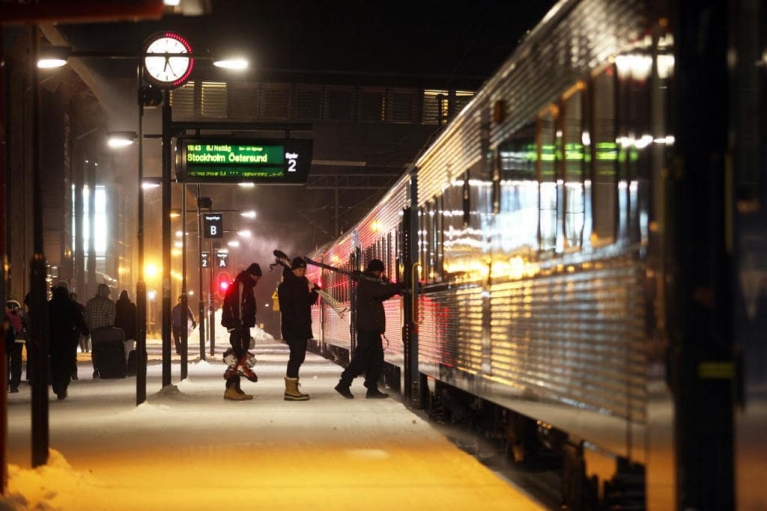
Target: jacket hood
x=60 y=293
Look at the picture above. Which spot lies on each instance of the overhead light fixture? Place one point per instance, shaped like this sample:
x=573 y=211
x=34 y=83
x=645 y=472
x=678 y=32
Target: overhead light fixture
x=248 y=214
x=151 y=182
x=118 y=139
x=232 y=63
x=53 y=56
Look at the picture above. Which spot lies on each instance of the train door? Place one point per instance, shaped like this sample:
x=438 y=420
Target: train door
x=414 y=386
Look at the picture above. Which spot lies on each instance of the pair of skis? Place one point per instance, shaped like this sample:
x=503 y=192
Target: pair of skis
x=284 y=260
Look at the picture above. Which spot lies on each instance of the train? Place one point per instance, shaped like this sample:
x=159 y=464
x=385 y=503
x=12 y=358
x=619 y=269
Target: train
x=584 y=251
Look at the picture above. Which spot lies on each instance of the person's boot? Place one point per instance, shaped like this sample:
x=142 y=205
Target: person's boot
x=374 y=393
x=291 y=391
x=242 y=392
x=231 y=393
x=343 y=389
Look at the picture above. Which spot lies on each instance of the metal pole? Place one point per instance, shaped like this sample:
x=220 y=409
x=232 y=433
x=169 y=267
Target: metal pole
x=201 y=310
x=140 y=284
x=90 y=170
x=212 y=317
x=166 y=240
x=184 y=299
x=38 y=311
x=3 y=359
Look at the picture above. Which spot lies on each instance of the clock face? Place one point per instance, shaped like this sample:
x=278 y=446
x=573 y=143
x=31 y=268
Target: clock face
x=164 y=62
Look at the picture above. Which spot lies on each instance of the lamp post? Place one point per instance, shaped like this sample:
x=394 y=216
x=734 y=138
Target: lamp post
x=154 y=58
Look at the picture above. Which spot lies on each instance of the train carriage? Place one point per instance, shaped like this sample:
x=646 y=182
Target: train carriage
x=541 y=235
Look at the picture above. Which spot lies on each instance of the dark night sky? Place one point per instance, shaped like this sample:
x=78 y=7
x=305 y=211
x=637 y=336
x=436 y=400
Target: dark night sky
x=411 y=37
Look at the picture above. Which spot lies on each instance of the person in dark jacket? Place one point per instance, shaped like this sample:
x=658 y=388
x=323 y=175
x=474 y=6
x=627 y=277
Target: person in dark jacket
x=66 y=325
x=125 y=318
x=296 y=296
x=373 y=289
x=177 y=319
x=83 y=340
x=238 y=315
x=17 y=319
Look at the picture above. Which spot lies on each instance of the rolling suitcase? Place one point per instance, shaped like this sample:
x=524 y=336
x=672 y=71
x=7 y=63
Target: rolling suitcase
x=108 y=352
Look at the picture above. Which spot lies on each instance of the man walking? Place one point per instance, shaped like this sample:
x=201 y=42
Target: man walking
x=238 y=315
x=368 y=357
x=177 y=319
x=296 y=296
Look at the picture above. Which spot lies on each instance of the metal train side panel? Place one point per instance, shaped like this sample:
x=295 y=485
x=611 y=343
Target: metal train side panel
x=554 y=57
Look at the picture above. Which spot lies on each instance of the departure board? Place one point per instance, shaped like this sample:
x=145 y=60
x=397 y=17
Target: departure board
x=264 y=161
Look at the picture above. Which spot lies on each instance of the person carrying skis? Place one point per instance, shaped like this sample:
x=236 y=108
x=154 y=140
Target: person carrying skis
x=296 y=296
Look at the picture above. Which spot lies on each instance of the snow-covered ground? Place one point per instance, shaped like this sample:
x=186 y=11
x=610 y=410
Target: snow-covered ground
x=187 y=448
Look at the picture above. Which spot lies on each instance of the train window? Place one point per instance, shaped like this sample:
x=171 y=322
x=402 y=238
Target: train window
x=517 y=218
x=466 y=196
x=547 y=192
x=573 y=169
x=635 y=139
x=424 y=237
x=455 y=237
x=604 y=157
x=432 y=270
x=437 y=239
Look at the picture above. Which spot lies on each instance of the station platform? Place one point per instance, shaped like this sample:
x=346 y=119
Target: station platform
x=187 y=448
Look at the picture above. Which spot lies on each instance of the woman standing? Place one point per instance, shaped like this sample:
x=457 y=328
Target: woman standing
x=66 y=325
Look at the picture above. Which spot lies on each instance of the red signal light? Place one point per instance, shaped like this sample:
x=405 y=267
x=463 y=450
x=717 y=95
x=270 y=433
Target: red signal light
x=224 y=280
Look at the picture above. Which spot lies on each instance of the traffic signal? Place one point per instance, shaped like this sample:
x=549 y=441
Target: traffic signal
x=223 y=282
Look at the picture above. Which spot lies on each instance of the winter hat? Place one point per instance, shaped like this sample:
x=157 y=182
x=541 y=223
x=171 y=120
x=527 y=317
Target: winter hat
x=375 y=265
x=298 y=262
x=254 y=269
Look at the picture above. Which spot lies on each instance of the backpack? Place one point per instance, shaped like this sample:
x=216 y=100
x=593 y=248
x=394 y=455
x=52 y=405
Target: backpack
x=229 y=319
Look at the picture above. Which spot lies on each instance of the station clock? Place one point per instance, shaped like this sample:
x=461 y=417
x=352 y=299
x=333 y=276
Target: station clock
x=168 y=60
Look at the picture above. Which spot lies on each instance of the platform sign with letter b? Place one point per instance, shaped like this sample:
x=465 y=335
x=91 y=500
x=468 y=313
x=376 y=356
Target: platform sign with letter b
x=213 y=225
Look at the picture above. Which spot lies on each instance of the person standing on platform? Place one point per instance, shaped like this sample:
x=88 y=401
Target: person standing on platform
x=66 y=323
x=368 y=358
x=238 y=316
x=14 y=312
x=177 y=318
x=84 y=339
x=100 y=310
x=296 y=296
x=125 y=318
